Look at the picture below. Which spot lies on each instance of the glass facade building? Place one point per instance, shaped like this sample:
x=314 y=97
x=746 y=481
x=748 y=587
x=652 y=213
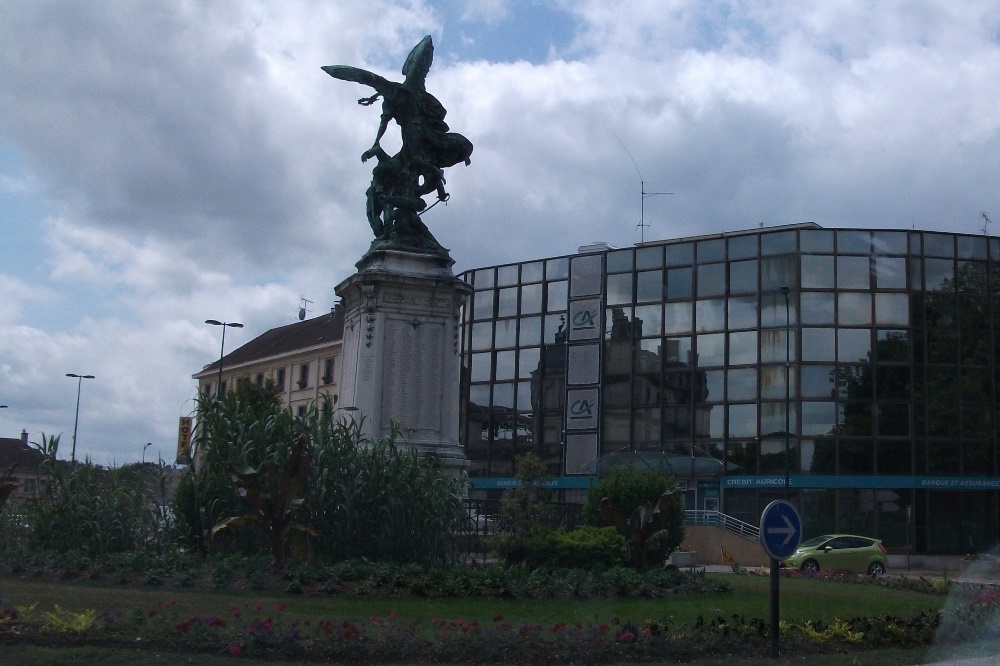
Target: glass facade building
x=859 y=365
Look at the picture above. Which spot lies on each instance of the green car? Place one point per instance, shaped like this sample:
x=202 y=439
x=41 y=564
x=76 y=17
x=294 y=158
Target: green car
x=839 y=552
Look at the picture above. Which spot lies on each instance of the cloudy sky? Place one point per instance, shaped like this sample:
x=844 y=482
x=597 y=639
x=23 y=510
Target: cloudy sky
x=163 y=162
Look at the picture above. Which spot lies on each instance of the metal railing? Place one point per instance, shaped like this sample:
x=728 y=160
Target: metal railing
x=728 y=523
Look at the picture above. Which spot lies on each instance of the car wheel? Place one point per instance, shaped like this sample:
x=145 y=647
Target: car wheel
x=810 y=566
x=876 y=569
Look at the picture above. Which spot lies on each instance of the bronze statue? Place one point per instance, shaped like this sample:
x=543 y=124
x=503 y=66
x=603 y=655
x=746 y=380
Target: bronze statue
x=395 y=197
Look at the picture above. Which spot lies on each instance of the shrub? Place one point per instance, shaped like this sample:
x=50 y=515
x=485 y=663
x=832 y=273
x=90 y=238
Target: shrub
x=626 y=488
x=585 y=548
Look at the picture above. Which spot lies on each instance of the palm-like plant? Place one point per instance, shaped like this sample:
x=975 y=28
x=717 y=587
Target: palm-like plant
x=646 y=525
x=273 y=494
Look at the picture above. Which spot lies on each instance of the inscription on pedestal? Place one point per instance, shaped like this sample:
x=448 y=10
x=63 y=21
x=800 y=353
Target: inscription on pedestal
x=412 y=378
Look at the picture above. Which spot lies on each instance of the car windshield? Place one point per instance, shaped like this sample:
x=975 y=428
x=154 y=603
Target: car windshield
x=815 y=541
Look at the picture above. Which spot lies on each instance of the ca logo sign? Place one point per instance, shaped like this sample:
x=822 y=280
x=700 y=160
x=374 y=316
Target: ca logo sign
x=582 y=409
x=585 y=320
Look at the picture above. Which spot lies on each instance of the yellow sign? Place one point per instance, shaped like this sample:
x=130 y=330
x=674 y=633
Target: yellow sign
x=184 y=441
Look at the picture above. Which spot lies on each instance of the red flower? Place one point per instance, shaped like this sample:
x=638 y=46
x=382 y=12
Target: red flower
x=151 y=613
x=280 y=607
x=236 y=650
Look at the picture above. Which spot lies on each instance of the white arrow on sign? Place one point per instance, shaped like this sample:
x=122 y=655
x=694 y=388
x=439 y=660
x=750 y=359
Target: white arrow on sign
x=788 y=530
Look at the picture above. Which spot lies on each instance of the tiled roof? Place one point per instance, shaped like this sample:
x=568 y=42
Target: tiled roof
x=285 y=339
x=15 y=453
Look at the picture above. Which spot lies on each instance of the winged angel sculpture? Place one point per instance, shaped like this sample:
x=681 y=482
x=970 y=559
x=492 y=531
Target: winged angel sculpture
x=399 y=182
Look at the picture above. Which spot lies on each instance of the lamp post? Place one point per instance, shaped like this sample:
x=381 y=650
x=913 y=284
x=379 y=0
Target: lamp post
x=147 y=445
x=222 y=351
x=76 y=420
x=788 y=399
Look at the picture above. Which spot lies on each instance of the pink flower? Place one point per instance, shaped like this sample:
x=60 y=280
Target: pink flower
x=236 y=650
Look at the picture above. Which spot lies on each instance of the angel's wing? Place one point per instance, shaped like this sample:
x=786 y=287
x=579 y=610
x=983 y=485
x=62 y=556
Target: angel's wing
x=358 y=75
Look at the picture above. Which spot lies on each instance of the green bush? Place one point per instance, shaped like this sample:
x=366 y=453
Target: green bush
x=373 y=499
x=583 y=548
x=626 y=487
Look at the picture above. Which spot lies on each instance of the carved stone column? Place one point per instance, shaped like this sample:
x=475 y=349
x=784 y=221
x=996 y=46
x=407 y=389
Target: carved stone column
x=401 y=358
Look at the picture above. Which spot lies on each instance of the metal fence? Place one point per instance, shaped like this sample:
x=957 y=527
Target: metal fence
x=728 y=523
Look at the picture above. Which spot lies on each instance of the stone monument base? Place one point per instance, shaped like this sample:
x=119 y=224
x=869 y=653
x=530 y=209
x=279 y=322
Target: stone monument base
x=401 y=362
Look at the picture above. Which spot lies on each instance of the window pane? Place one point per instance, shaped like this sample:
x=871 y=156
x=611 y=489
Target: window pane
x=506 y=333
x=816 y=240
x=890 y=242
x=773 y=347
x=853 y=345
x=527 y=362
x=558 y=296
x=853 y=242
x=710 y=315
x=743 y=277
x=483 y=304
x=649 y=286
x=677 y=351
x=481 y=368
x=818 y=418
x=484 y=278
x=678 y=317
x=619 y=261
x=531 y=272
x=680 y=254
x=557 y=268
x=743 y=247
x=649 y=319
x=817 y=307
x=817 y=381
x=742 y=421
x=711 y=349
x=531 y=298
x=892 y=309
x=711 y=280
x=855 y=309
x=939 y=275
x=507 y=275
x=743 y=312
x=819 y=344
x=776 y=272
x=531 y=331
x=482 y=335
x=780 y=242
x=679 y=283
x=817 y=272
x=711 y=250
x=890 y=272
x=939 y=245
x=619 y=288
x=507 y=305
x=505 y=365
x=648 y=257
x=772 y=382
x=852 y=273
x=742 y=384
x=743 y=348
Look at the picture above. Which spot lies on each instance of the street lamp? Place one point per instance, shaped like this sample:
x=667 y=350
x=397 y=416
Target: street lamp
x=788 y=400
x=148 y=444
x=223 y=324
x=76 y=420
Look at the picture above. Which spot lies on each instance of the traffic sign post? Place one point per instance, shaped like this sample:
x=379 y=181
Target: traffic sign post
x=780 y=534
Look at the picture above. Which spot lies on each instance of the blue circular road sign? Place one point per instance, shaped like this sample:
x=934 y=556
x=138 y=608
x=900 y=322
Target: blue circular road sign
x=780 y=529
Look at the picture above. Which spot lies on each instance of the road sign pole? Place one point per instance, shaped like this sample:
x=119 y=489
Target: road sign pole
x=780 y=533
x=774 y=608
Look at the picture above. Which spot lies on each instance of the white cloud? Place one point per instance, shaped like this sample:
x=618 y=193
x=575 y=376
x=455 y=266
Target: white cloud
x=203 y=166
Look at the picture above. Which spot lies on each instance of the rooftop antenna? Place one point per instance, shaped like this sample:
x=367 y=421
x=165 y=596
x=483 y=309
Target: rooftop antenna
x=643 y=194
x=986 y=222
x=302 y=308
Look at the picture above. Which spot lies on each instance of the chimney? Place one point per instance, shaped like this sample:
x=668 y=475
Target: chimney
x=24 y=438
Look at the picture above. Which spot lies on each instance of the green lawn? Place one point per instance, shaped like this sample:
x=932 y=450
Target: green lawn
x=801 y=599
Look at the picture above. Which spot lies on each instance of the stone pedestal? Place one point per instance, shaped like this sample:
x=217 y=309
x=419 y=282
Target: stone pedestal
x=401 y=349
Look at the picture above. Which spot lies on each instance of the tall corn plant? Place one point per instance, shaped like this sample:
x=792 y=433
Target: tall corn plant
x=379 y=499
x=91 y=508
x=373 y=499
